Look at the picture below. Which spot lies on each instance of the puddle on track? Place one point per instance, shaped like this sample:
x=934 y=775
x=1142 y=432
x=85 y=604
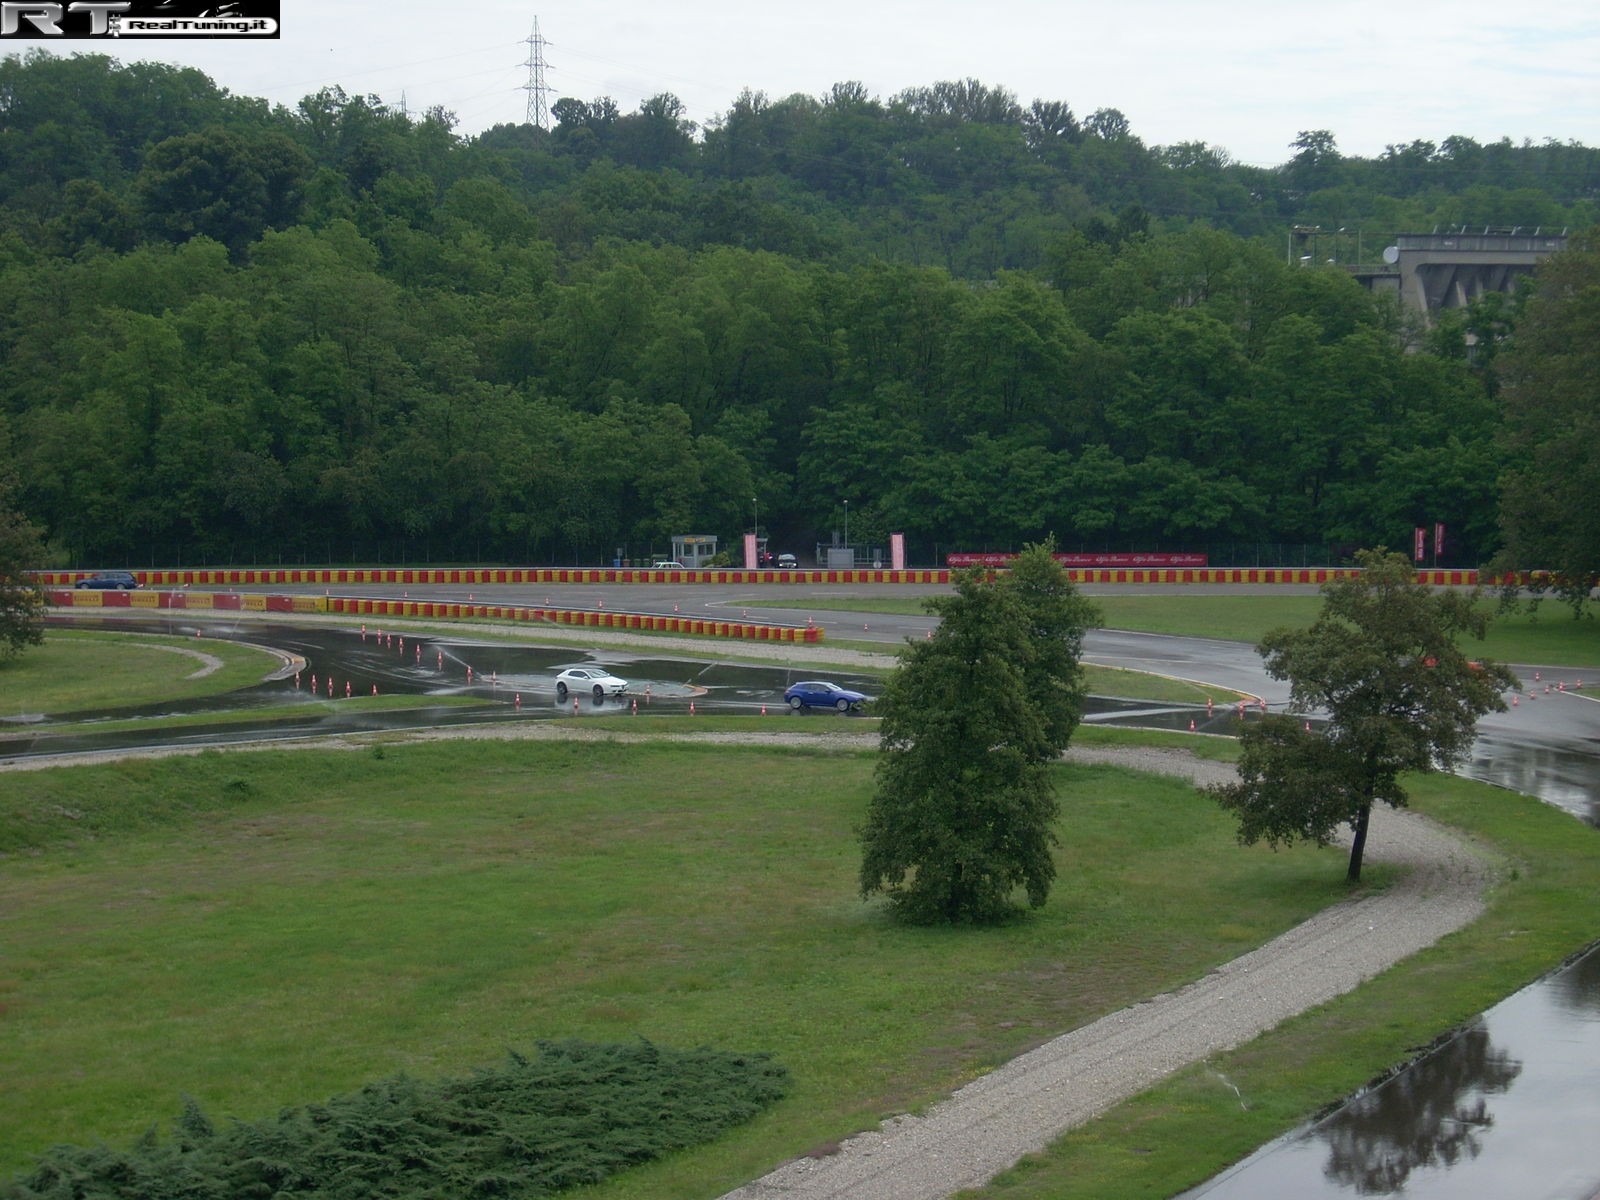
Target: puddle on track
x=1506 y=1107
x=503 y=680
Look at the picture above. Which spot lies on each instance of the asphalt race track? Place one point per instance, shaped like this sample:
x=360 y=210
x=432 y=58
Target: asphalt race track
x=1546 y=744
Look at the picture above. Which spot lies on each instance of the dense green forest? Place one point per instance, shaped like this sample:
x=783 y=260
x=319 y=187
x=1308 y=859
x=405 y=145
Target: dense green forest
x=341 y=332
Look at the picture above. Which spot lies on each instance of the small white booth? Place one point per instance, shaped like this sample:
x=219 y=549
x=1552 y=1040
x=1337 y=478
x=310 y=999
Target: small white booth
x=694 y=550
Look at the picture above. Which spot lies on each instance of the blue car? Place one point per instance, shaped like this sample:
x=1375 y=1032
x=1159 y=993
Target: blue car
x=819 y=693
x=109 y=580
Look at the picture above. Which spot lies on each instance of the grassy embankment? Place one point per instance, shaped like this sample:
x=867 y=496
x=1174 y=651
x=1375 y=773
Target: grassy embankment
x=262 y=929
x=265 y=929
x=80 y=670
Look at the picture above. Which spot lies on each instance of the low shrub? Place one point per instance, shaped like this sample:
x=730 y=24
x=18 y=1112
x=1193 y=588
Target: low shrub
x=571 y=1114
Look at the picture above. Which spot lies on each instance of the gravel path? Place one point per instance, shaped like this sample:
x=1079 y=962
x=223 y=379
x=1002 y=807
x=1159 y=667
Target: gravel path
x=1021 y=1107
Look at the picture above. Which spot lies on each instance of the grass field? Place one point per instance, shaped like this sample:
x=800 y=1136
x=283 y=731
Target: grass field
x=85 y=669
x=262 y=929
x=269 y=928
x=1551 y=636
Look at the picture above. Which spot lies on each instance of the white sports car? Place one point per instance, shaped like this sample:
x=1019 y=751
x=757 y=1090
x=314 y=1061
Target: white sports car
x=597 y=681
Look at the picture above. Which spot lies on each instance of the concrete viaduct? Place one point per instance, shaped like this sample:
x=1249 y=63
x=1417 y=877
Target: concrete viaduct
x=1432 y=272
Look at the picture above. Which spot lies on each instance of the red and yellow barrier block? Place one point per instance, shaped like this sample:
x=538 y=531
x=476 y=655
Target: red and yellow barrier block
x=1266 y=576
x=74 y=598
x=263 y=602
x=486 y=576
x=584 y=618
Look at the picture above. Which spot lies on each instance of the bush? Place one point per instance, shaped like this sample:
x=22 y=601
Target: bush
x=572 y=1114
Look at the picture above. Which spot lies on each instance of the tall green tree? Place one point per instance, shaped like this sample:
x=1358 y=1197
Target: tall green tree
x=1550 y=520
x=1383 y=663
x=963 y=810
x=1057 y=615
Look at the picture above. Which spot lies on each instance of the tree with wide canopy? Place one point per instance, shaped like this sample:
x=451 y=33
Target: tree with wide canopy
x=1383 y=665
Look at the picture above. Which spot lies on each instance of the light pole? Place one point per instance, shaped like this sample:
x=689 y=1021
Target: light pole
x=756 y=528
x=847 y=533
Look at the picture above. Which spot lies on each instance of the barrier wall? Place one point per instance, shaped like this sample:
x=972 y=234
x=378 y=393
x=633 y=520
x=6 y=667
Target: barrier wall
x=354 y=606
x=585 y=618
x=483 y=576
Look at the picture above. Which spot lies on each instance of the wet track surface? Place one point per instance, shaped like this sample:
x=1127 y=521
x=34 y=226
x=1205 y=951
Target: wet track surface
x=1503 y=1109
x=485 y=681
x=1548 y=746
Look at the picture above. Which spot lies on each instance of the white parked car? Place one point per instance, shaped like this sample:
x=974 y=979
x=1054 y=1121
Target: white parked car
x=597 y=681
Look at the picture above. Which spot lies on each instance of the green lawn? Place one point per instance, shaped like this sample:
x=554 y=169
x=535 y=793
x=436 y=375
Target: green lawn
x=1550 y=637
x=269 y=928
x=87 y=669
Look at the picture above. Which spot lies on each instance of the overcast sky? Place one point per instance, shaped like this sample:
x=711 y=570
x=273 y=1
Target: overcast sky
x=1246 y=76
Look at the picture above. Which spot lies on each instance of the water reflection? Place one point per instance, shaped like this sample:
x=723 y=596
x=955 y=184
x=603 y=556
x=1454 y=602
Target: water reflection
x=1504 y=1108
x=1561 y=775
x=1433 y=1114
x=1577 y=989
